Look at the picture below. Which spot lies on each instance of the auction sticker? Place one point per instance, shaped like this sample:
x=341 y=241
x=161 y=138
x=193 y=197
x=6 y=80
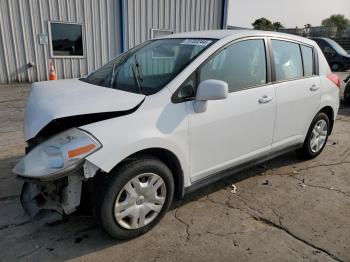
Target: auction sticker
x=201 y=42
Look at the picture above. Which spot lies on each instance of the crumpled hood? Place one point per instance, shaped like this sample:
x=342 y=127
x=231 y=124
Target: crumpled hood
x=62 y=98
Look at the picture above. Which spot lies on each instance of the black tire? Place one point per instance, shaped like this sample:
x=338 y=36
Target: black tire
x=347 y=92
x=306 y=152
x=110 y=185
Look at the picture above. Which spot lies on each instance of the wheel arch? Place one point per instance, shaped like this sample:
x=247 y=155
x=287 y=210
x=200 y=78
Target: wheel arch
x=328 y=110
x=168 y=158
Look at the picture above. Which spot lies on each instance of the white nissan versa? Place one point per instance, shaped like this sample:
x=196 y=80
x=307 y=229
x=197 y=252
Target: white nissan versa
x=169 y=116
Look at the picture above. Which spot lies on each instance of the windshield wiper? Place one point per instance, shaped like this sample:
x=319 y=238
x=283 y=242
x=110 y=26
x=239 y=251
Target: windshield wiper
x=137 y=74
x=136 y=77
x=138 y=68
x=113 y=75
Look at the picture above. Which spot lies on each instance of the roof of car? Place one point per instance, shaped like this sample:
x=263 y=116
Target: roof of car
x=326 y=39
x=235 y=33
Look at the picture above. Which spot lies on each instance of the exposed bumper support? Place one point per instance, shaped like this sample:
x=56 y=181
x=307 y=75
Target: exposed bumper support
x=61 y=196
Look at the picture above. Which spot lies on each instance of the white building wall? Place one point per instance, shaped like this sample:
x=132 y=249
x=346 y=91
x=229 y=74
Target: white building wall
x=21 y=22
x=175 y=15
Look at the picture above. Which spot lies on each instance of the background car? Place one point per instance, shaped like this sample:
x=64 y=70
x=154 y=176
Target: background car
x=347 y=89
x=338 y=59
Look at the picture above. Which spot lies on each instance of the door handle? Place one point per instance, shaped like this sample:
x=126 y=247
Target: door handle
x=265 y=99
x=314 y=88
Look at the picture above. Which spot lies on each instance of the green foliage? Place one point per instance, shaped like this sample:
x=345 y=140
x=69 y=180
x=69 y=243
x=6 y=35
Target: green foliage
x=339 y=21
x=262 y=24
x=265 y=24
x=277 y=26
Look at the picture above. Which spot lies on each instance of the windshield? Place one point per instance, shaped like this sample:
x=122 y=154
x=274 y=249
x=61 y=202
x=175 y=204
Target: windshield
x=337 y=47
x=147 y=68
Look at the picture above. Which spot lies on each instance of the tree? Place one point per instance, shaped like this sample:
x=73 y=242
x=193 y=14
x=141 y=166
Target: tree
x=262 y=24
x=339 y=21
x=277 y=26
x=265 y=24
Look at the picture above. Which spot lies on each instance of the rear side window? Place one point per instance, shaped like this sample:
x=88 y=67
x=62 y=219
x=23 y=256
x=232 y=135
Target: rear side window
x=240 y=65
x=308 y=60
x=287 y=58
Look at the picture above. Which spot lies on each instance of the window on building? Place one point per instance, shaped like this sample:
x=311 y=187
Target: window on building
x=160 y=32
x=241 y=65
x=308 y=60
x=287 y=59
x=66 y=39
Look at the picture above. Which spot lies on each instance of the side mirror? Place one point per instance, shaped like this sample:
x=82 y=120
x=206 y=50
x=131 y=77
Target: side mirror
x=209 y=90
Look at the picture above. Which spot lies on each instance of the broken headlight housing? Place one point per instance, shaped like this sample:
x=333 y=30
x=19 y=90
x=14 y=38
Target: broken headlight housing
x=57 y=155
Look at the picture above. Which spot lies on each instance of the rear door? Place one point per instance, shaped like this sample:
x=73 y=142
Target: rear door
x=297 y=88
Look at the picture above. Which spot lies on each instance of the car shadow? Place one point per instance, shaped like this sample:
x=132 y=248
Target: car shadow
x=281 y=161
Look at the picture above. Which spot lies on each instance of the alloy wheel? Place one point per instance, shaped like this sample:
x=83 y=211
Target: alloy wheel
x=318 y=136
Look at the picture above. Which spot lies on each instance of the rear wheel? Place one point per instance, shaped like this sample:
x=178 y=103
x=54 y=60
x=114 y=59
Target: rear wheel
x=135 y=197
x=316 y=138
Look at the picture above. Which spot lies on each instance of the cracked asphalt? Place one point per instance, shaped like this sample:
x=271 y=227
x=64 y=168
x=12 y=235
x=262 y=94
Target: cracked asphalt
x=283 y=210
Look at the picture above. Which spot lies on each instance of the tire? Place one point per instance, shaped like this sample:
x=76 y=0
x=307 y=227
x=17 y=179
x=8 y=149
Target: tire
x=114 y=189
x=347 y=92
x=310 y=149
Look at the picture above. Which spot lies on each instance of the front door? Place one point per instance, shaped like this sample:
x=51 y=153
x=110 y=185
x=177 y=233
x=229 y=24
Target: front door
x=239 y=128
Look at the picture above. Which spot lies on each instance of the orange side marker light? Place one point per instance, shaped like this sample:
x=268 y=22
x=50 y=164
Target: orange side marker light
x=80 y=150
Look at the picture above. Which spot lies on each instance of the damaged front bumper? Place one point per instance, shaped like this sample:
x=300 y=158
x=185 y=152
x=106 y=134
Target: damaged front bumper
x=54 y=171
x=62 y=196
x=59 y=196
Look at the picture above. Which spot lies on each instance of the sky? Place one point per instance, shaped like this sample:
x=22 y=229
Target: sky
x=290 y=13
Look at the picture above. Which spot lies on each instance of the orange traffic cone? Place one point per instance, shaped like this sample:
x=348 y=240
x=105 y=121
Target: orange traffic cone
x=52 y=75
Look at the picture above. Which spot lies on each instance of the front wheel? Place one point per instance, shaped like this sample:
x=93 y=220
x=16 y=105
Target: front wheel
x=316 y=138
x=134 y=197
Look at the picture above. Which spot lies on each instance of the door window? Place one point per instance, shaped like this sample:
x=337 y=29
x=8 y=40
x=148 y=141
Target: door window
x=308 y=60
x=287 y=58
x=240 y=65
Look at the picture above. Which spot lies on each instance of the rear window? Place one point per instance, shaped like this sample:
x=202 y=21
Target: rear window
x=308 y=60
x=288 y=61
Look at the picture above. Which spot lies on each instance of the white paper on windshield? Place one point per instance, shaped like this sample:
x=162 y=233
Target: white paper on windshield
x=200 y=42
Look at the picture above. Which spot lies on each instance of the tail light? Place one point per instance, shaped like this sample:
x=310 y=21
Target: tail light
x=335 y=79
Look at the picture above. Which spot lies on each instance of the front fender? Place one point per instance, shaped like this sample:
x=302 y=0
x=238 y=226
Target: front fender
x=157 y=127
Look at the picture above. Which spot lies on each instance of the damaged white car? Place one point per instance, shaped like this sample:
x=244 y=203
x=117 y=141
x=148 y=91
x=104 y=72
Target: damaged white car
x=169 y=116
